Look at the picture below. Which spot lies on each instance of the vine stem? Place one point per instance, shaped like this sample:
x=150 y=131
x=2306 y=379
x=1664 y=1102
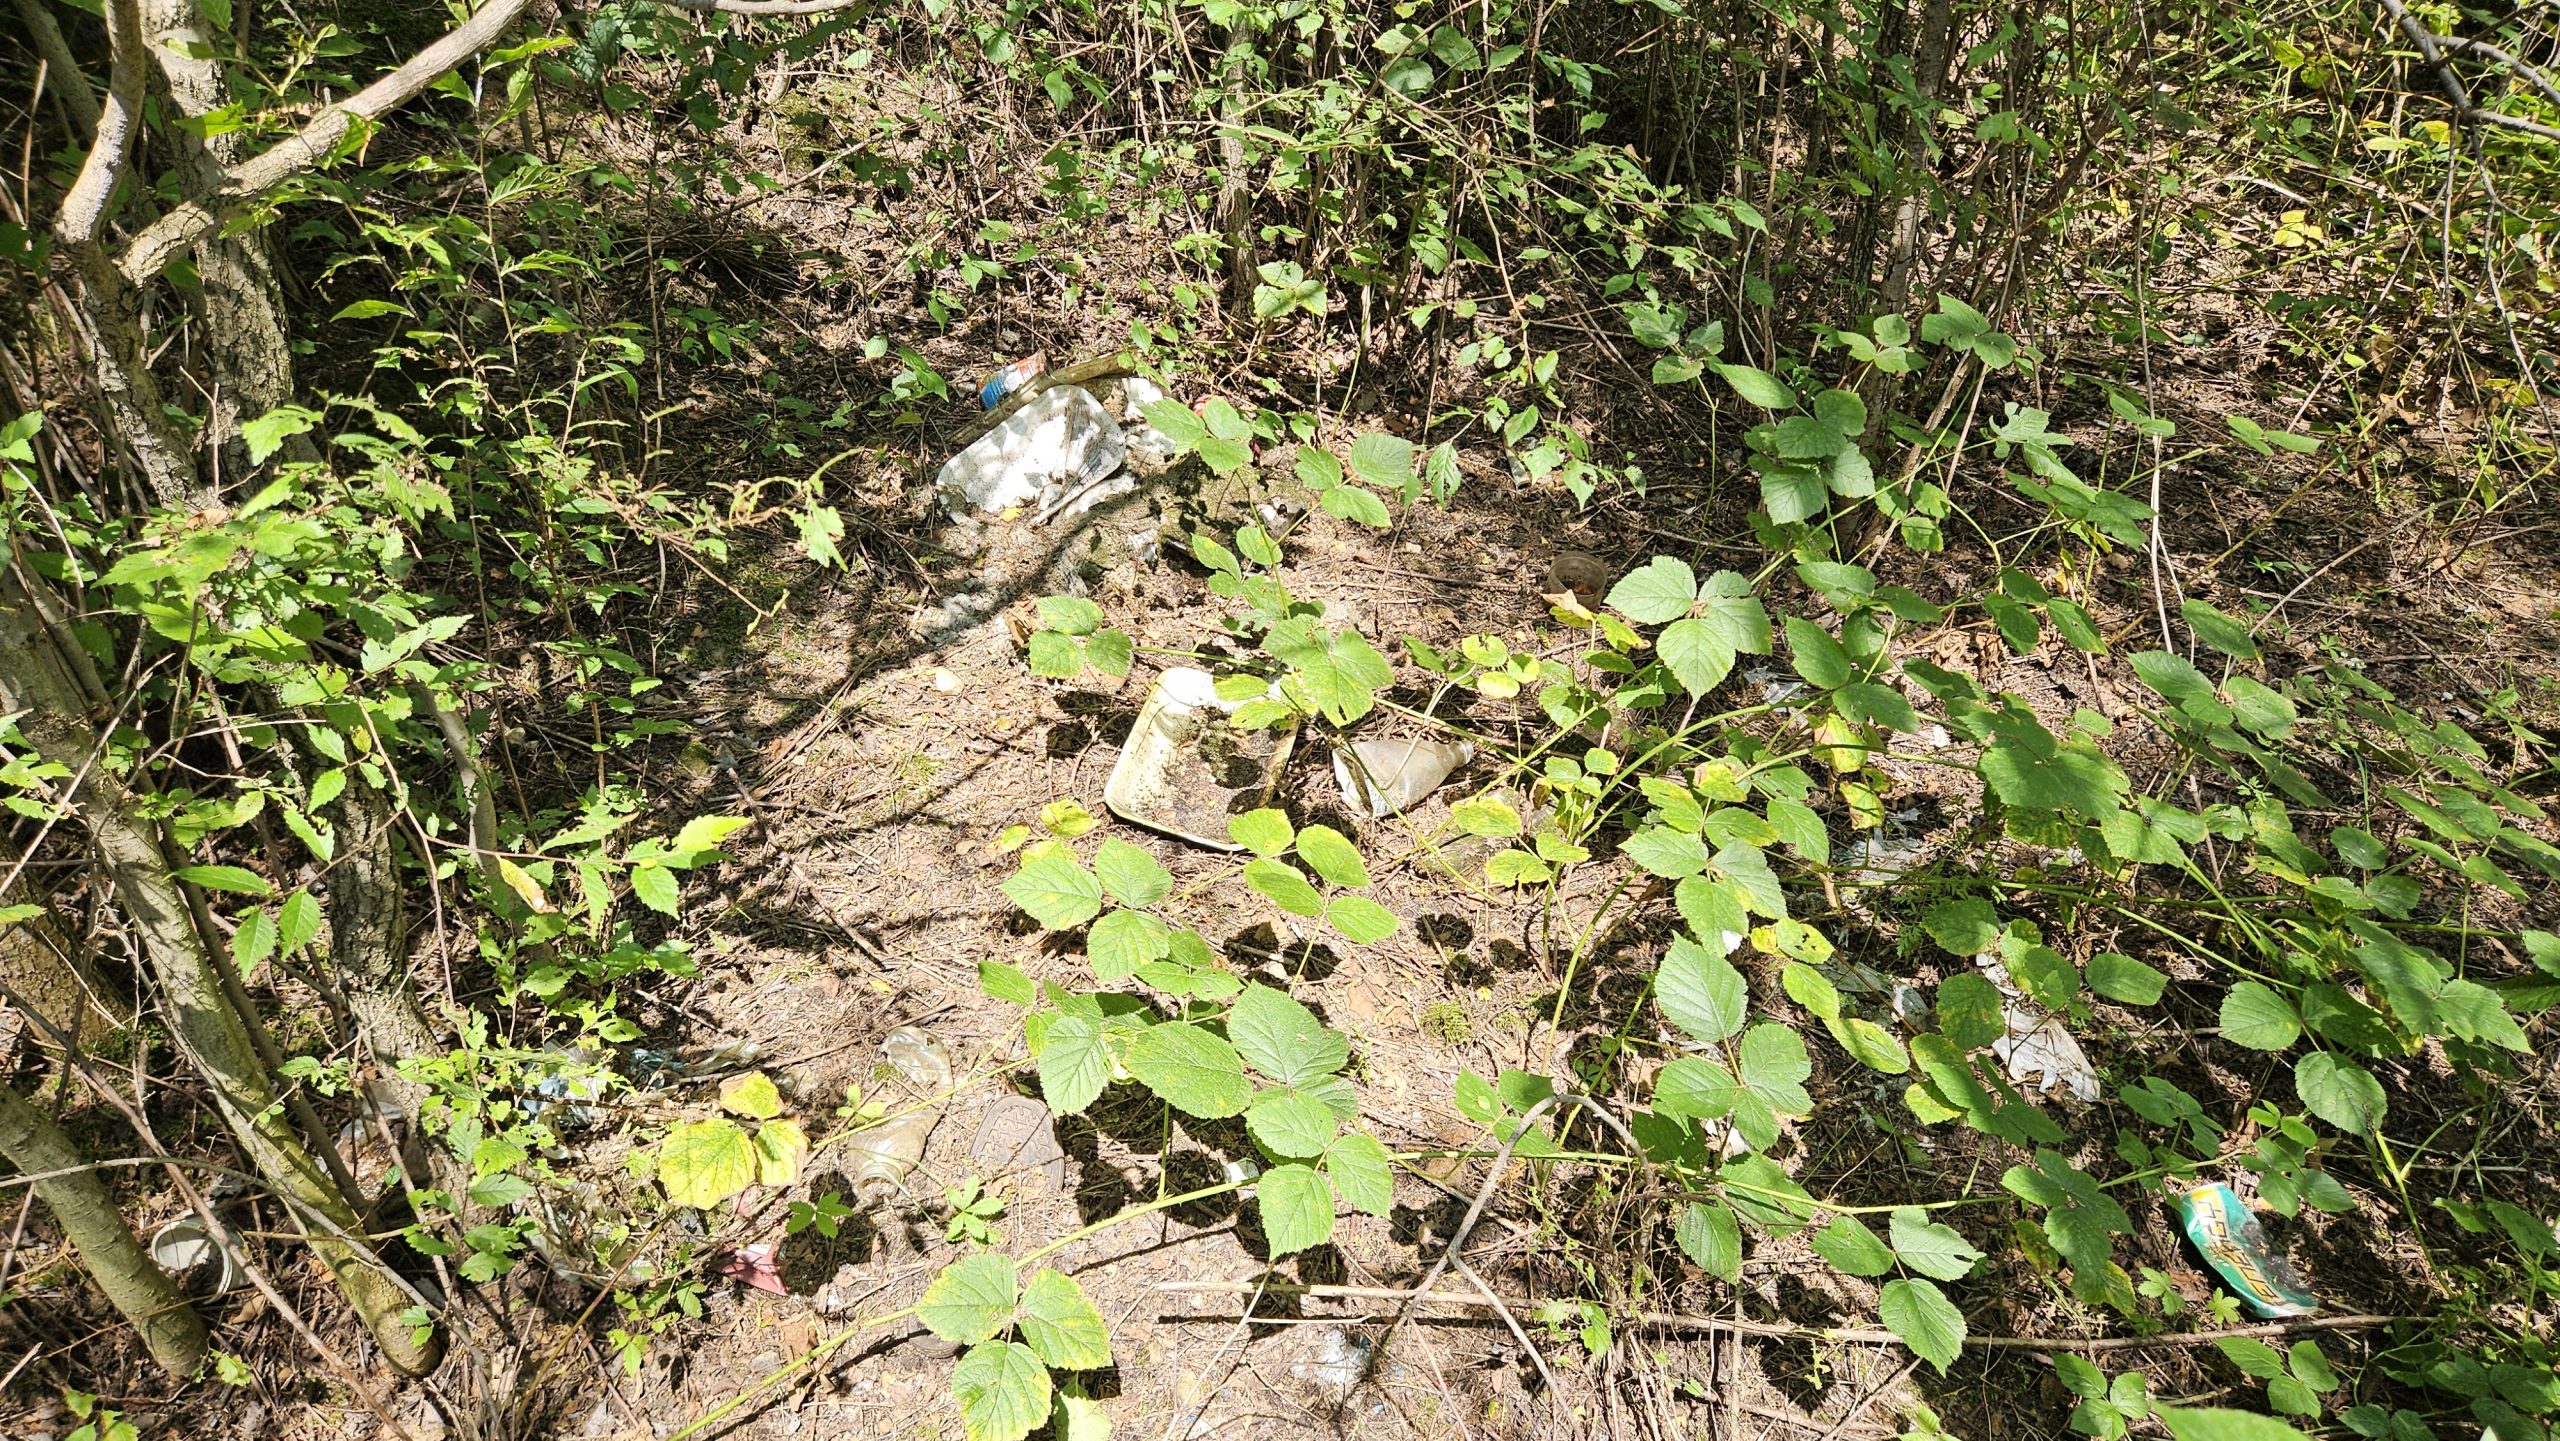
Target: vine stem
x=2293 y=1326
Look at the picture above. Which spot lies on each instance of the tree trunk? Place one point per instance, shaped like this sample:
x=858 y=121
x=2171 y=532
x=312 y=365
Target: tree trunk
x=368 y=943
x=211 y=1034
x=97 y=1230
x=240 y=309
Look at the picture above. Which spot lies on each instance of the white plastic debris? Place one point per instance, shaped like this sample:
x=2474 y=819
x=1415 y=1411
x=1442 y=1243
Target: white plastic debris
x=1392 y=775
x=1055 y=456
x=2041 y=1051
x=1777 y=689
x=1185 y=771
x=1137 y=393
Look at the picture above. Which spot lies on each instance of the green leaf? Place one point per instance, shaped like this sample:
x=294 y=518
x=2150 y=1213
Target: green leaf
x=1963 y=928
x=267 y=434
x=1129 y=875
x=2219 y=630
x=1290 y=1123
x=2255 y=1016
x=1818 y=656
x=2254 y=1357
x=1056 y=889
x=2340 y=1092
x=1697 y=657
x=1333 y=856
x=971 y=1300
x=1757 y=386
x=1774 y=1067
x=2122 y=978
x=1870 y=703
x=1297 y=1209
x=782 y=1148
x=703 y=1163
x=230 y=879
x=1350 y=502
x=1701 y=992
x=2310 y=1367
x=656 y=888
x=1726 y=604
x=1123 y=941
x=1075 y=1064
x=1283 y=886
x=1362 y=1171
x=1667 y=853
x=1969 y=1010
x=1849 y=1245
x=1265 y=832
x=1929 y=1248
x=1003 y=1391
x=1073 y=614
x=297 y=922
x=1062 y=1327
x=1283 y=1039
x=1710 y=1236
x=2214 y=1424
x=1190 y=1069
x=1385 y=461
x=1927 y=1322
x=1361 y=920
x=253 y=941
x=1661 y=590
x=753 y=1095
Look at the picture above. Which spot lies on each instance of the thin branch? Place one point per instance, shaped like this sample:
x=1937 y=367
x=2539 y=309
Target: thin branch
x=155 y=247
x=2431 y=49
x=771 y=7
x=2523 y=70
x=84 y=208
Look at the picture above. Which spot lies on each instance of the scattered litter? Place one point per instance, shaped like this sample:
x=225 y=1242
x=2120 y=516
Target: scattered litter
x=1885 y=855
x=1905 y=1000
x=753 y=1265
x=2227 y=1234
x=2042 y=1052
x=184 y=1245
x=1144 y=440
x=1578 y=574
x=888 y=1151
x=1336 y=1359
x=1386 y=776
x=1010 y=379
x=1778 y=691
x=1185 y=770
x=1057 y=454
x=2039 y=1049
x=580 y=1092
x=1017 y=1135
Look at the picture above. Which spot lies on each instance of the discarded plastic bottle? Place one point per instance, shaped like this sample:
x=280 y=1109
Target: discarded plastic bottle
x=1386 y=776
x=1008 y=380
x=885 y=1153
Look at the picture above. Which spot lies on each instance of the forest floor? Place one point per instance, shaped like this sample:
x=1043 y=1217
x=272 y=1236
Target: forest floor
x=884 y=752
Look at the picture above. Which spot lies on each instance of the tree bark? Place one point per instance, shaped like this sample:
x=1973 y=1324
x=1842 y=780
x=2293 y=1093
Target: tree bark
x=213 y=1036
x=368 y=943
x=241 y=304
x=97 y=1230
